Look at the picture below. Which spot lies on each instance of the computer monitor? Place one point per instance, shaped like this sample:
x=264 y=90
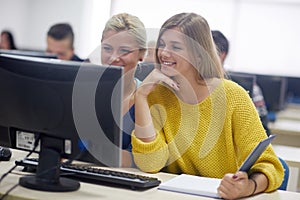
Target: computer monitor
x=73 y=108
x=274 y=89
x=293 y=89
x=245 y=80
x=39 y=54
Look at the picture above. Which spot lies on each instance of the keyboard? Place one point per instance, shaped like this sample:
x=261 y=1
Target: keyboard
x=94 y=175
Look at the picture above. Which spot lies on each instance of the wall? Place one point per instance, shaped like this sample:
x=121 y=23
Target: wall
x=29 y=20
x=14 y=17
x=263 y=34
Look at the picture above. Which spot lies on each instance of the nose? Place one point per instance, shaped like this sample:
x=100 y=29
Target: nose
x=165 y=52
x=114 y=57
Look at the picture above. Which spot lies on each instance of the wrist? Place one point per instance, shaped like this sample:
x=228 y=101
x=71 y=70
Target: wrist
x=139 y=94
x=254 y=186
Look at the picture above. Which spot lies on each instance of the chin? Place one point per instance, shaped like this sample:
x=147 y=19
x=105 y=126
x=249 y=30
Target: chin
x=168 y=71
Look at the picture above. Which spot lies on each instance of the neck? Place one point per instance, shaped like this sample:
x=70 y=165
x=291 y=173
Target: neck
x=128 y=91
x=128 y=87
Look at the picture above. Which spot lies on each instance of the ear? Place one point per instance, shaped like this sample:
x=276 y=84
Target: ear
x=142 y=53
x=222 y=57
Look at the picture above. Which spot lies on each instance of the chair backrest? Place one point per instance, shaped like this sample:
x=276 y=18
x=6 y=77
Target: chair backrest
x=143 y=70
x=284 y=183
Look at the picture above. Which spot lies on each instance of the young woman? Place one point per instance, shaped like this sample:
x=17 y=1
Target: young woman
x=123 y=44
x=189 y=119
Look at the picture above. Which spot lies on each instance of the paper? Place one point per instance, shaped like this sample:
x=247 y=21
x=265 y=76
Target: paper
x=190 y=184
x=205 y=186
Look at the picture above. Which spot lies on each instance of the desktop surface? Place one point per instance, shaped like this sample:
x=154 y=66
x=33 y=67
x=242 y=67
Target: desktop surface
x=92 y=191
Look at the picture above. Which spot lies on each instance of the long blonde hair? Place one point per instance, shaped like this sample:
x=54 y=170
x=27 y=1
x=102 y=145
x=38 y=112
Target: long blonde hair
x=198 y=38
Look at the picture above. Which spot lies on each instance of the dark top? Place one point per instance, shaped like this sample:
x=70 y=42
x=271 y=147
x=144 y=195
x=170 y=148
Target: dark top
x=76 y=58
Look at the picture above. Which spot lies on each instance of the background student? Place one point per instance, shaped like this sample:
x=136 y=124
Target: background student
x=60 y=41
x=123 y=44
x=222 y=44
x=189 y=119
x=7 y=40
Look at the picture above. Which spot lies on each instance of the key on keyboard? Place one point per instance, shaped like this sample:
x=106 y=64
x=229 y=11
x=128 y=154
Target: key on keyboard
x=98 y=176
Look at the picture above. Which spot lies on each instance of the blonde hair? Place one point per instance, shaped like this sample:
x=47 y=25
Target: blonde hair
x=132 y=24
x=198 y=38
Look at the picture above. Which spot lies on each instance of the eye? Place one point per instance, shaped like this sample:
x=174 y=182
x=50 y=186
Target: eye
x=161 y=44
x=124 y=51
x=176 y=48
x=107 y=49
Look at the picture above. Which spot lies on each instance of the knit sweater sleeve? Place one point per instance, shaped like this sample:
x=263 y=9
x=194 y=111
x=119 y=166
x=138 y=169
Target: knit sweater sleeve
x=152 y=156
x=248 y=132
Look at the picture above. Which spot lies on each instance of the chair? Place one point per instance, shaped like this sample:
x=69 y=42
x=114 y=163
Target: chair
x=284 y=183
x=143 y=70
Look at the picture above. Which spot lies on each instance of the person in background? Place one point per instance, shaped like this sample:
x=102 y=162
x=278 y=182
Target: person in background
x=222 y=45
x=123 y=44
x=60 y=41
x=190 y=119
x=7 y=41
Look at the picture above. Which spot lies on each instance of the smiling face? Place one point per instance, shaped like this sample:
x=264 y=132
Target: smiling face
x=120 y=49
x=173 y=54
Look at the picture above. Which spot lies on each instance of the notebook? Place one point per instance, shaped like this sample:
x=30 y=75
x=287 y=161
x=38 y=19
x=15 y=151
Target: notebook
x=196 y=185
x=205 y=186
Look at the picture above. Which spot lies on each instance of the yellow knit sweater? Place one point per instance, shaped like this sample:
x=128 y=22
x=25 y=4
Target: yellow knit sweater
x=209 y=139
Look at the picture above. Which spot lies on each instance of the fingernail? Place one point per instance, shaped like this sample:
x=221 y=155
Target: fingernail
x=234 y=176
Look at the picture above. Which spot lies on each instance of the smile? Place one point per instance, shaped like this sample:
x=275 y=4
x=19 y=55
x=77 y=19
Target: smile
x=167 y=63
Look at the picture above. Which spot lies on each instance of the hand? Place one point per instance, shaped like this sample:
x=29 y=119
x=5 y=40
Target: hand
x=235 y=186
x=151 y=81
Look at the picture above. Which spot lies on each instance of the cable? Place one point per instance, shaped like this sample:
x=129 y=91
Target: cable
x=70 y=160
x=11 y=169
x=8 y=191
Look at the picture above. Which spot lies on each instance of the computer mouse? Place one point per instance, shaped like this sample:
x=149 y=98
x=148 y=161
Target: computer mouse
x=5 y=154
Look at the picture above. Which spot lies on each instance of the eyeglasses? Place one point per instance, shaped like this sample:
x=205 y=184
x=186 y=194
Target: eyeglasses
x=122 y=51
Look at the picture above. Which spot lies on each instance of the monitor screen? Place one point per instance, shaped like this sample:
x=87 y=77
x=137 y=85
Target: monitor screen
x=39 y=54
x=293 y=89
x=274 y=89
x=73 y=108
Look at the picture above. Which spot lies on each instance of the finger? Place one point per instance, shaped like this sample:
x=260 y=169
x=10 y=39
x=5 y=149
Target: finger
x=172 y=84
x=240 y=175
x=157 y=76
x=224 y=191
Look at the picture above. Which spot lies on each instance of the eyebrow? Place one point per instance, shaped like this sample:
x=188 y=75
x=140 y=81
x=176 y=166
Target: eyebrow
x=172 y=41
x=123 y=46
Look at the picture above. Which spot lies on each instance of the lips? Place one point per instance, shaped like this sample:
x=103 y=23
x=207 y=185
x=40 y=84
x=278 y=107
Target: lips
x=168 y=63
x=117 y=64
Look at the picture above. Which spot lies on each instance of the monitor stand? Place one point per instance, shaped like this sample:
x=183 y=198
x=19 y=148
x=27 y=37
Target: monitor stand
x=48 y=177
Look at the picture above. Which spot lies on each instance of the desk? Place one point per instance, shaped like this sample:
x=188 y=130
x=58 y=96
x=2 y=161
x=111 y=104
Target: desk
x=287 y=131
x=290 y=112
x=99 y=192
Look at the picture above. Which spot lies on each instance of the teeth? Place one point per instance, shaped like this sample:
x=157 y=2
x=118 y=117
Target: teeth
x=167 y=63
